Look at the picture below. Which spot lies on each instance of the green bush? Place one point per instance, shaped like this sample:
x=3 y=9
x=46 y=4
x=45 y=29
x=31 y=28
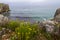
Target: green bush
x=26 y=31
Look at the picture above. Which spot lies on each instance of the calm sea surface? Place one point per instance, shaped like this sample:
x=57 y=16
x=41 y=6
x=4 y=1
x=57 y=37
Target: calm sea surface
x=32 y=13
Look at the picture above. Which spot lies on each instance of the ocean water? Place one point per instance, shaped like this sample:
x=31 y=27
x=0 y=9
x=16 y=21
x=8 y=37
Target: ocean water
x=36 y=14
x=32 y=14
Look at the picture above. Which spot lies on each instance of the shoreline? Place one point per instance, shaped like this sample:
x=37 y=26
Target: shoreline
x=29 y=18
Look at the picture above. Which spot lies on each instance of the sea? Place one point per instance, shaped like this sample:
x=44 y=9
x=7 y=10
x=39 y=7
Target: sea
x=33 y=13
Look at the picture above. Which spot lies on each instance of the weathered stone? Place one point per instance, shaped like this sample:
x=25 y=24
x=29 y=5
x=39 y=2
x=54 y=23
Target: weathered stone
x=49 y=25
x=57 y=15
x=3 y=20
x=4 y=8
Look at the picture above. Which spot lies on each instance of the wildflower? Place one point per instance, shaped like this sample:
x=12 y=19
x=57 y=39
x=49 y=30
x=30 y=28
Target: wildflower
x=29 y=28
x=22 y=23
x=18 y=33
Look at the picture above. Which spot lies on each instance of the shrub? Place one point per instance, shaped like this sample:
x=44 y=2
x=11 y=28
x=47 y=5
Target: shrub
x=26 y=31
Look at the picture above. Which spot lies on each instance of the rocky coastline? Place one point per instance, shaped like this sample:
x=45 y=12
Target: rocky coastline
x=49 y=26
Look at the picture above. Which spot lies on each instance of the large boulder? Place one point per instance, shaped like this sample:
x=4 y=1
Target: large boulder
x=57 y=15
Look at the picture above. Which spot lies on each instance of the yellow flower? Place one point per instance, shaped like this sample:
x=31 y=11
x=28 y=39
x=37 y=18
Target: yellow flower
x=22 y=23
x=18 y=33
x=27 y=33
x=29 y=28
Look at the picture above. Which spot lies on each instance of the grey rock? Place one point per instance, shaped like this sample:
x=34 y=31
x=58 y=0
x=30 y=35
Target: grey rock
x=57 y=15
x=4 y=8
x=49 y=26
x=3 y=20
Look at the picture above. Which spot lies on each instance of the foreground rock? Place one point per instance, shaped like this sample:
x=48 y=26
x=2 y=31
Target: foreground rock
x=49 y=25
x=3 y=20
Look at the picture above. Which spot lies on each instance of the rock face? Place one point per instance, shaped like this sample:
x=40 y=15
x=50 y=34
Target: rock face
x=57 y=15
x=49 y=26
x=4 y=8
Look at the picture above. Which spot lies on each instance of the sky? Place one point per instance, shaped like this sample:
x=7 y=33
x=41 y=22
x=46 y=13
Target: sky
x=48 y=5
x=22 y=0
x=42 y=2
x=34 y=3
x=29 y=1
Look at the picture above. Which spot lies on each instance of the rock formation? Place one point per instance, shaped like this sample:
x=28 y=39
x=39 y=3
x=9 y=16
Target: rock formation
x=57 y=15
x=3 y=20
x=49 y=25
x=4 y=8
x=4 y=11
